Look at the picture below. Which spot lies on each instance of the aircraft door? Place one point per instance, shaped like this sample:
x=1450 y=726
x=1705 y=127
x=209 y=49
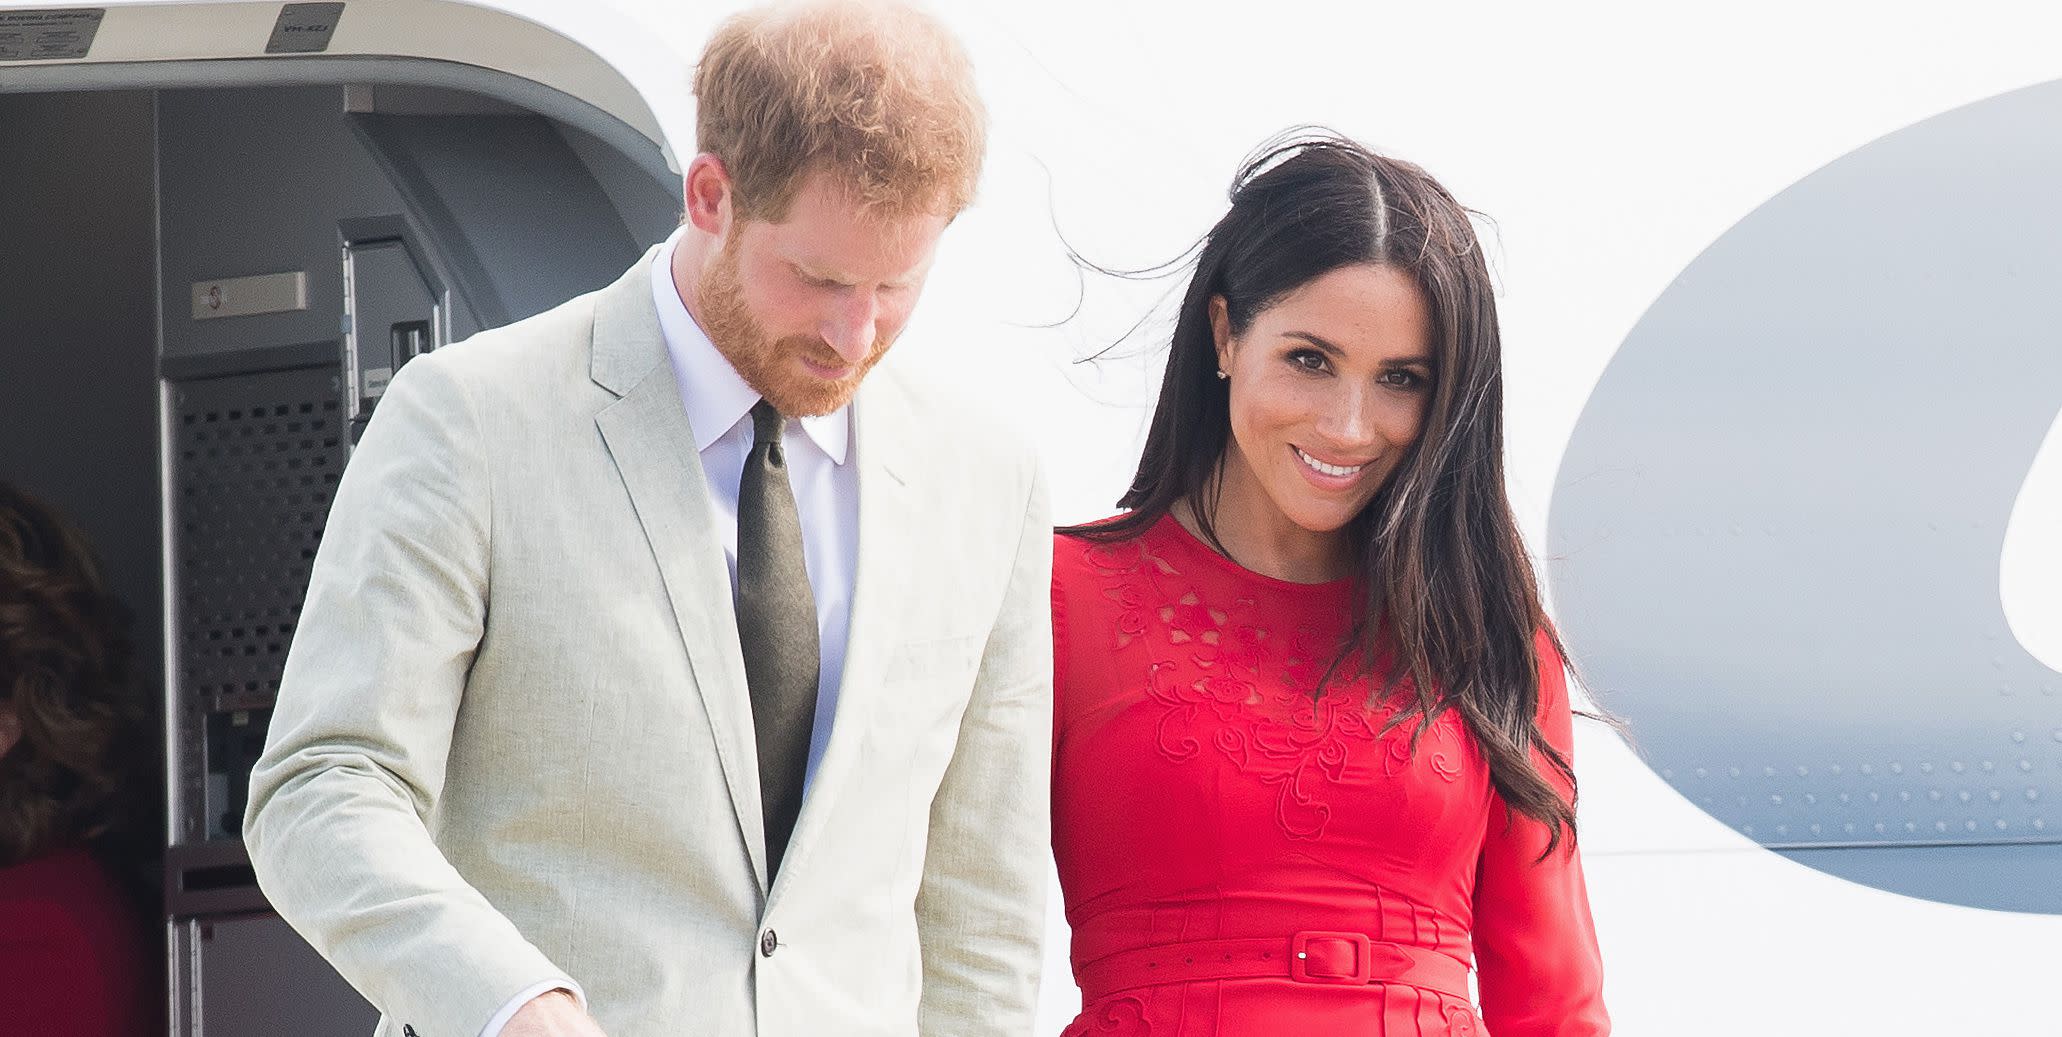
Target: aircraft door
x=393 y=313
x=215 y=263
x=313 y=240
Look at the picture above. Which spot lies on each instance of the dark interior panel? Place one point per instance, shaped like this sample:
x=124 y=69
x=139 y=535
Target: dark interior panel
x=200 y=290
x=78 y=334
x=78 y=361
x=521 y=221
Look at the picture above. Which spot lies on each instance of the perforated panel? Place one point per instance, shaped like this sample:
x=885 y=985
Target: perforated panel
x=255 y=463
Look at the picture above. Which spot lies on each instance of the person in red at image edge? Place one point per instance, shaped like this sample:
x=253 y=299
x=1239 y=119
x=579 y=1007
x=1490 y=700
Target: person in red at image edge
x=1311 y=754
x=73 y=958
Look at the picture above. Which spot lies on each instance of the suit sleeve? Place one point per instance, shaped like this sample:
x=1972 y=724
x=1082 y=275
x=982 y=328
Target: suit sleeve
x=981 y=906
x=1539 y=969
x=354 y=760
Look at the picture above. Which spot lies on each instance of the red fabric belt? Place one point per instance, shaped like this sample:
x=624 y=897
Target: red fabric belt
x=1350 y=959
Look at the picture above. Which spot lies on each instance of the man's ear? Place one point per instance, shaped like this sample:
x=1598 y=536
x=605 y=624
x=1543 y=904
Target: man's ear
x=1220 y=330
x=706 y=191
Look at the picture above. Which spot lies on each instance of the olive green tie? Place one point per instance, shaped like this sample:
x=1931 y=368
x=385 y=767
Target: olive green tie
x=776 y=626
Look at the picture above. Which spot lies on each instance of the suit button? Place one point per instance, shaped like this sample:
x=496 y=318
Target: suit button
x=767 y=943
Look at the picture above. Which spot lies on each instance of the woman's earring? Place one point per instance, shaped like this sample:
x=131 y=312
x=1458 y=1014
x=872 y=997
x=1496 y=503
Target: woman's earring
x=1221 y=374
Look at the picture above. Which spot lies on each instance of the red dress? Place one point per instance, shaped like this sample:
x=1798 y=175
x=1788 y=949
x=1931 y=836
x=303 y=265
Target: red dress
x=1241 y=859
x=74 y=961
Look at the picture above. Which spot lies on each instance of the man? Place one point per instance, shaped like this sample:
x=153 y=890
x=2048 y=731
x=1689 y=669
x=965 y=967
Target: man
x=653 y=667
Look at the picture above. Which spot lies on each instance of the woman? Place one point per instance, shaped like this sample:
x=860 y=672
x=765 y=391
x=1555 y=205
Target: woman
x=73 y=949
x=1312 y=735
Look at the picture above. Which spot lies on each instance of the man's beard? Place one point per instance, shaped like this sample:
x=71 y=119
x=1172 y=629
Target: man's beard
x=772 y=367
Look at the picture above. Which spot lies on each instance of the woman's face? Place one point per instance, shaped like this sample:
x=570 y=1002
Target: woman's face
x=1329 y=388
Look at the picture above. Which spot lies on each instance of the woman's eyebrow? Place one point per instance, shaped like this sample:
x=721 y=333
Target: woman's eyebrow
x=1334 y=351
x=1314 y=340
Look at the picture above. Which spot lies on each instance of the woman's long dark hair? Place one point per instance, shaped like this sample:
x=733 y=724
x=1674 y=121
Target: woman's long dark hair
x=1451 y=601
x=65 y=670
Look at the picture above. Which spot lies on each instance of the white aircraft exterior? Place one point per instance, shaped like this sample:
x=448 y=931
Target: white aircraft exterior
x=1783 y=326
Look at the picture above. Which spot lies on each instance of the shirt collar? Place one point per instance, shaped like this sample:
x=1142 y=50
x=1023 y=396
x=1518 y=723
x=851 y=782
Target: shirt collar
x=715 y=395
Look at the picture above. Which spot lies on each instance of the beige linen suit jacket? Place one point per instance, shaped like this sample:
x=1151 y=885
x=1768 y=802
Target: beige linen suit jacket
x=514 y=743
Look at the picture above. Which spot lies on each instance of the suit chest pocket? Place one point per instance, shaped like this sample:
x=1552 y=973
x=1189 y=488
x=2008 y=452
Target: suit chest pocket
x=928 y=683
x=937 y=658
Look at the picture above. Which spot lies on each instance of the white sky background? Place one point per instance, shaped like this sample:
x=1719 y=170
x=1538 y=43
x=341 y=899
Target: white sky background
x=1610 y=143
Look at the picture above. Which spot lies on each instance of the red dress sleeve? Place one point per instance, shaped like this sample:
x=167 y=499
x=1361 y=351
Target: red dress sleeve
x=1538 y=966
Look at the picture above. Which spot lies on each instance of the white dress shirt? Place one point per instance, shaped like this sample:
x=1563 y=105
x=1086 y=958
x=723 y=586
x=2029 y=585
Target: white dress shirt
x=719 y=406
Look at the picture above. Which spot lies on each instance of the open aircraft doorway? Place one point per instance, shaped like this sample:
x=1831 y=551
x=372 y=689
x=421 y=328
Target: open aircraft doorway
x=211 y=261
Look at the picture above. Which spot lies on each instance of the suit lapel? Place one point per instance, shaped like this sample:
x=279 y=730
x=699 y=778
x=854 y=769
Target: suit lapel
x=883 y=448
x=648 y=435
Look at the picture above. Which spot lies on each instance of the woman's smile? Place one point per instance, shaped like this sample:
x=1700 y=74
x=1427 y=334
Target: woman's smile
x=1328 y=475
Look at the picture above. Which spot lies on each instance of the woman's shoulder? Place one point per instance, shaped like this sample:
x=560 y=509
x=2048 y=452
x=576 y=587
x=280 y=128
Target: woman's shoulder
x=1101 y=571
x=1555 y=710
x=1100 y=551
x=1094 y=531
x=1553 y=669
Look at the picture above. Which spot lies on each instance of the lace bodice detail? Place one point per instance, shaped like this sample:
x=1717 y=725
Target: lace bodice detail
x=1205 y=789
x=1234 y=677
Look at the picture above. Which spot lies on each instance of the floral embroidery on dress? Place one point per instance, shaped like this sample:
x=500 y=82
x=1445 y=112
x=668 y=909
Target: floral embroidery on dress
x=1240 y=647
x=1134 y=596
x=1309 y=658
x=1459 y=1018
x=1131 y=622
x=1190 y=620
x=1122 y=1016
x=1439 y=748
x=1299 y=757
x=1256 y=701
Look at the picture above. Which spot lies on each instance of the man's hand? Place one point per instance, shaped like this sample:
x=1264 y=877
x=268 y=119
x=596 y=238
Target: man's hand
x=552 y=1014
